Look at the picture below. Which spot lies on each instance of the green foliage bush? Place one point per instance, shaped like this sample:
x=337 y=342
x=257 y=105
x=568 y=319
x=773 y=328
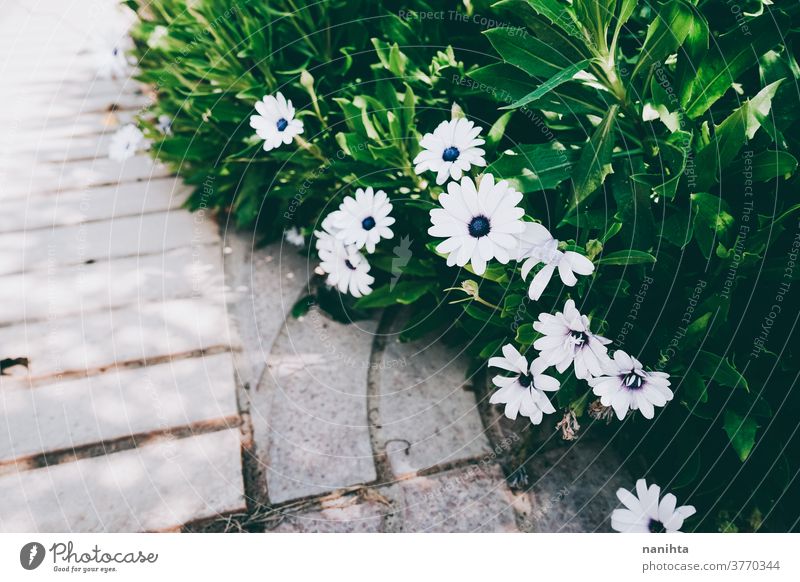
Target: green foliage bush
x=657 y=138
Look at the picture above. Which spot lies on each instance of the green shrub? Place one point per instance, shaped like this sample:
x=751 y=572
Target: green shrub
x=659 y=139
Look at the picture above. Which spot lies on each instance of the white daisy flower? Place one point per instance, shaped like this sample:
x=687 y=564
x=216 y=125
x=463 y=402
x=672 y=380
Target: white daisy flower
x=294 y=237
x=537 y=246
x=275 y=122
x=644 y=513
x=450 y=150
x=626 y=385
x=347 y=269
x=364 y=220
x=125 y=142
x=164 y=124
x=524 y=392
x=567 y=340
x=157 y=37
x=479 y=224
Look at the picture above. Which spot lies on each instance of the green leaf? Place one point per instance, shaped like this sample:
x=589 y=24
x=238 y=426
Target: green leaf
x=693 y=389
x=559 y=78
x=718 y=369
x=629 y=257
x=595 y=16
x=768 y=165
x=712 y=220
x=405 y=293
x=732 y=55
x=741 y=432
x=535 y=167
x=559 y=13
x=526 y=334
x=303 y=305
x=595 y=162
x=729 y=136
x=664 y=35
x=527 y=52
x=497 y=130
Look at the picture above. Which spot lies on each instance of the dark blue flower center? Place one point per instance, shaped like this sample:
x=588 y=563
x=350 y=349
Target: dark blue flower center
x=368 y=223
x=632 y=381
x=656 y=526
x=282 y=124
x=525 y=380
x=450 y=154
x=479 y=226
x=349 y=264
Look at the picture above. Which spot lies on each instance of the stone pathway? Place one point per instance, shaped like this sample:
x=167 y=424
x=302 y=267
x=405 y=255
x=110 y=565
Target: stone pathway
x=168 y=388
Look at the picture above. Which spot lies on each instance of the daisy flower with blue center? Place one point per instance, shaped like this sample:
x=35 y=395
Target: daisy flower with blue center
x=648 y=512
x=478 y=223
x=364 y=220
x=625 y=385
x=566 y=339
x=275 y=122
x=451 y=150
x=524 y=391
x=346 y=267
x=538 y=246
x=125 y=142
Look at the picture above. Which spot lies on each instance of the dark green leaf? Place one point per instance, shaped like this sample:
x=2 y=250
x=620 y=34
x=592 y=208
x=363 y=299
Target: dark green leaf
x=629 y=257
x=741 y=432
x=559 y=78
x=718 y=369
x=535 y=167
x=595 y=162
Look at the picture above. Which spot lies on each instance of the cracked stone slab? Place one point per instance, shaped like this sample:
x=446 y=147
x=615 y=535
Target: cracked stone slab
x=475 y=498
x=310 y=412
x=67 y=415
x=156 y=487
x=427 y=416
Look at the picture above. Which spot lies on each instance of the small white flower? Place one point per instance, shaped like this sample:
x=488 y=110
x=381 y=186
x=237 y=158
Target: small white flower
x=479 y=224
x=645 y=514
x=110 y=59
x=567 y=339
x=294 y=237
x=524 y=392
x=450 y=150
x=164 y=124
x=125 y=142
x=275 y=122
x=347 y=269
x=626 y=385
x=537 y=246
x=364 y=220
x=157 y=36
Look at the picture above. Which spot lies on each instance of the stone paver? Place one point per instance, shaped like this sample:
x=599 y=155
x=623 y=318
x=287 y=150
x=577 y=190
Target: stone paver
x=427 y=416
x=91 y=204
x=65 y=415
x=88 y=343
x=342 y=515
x=310 y=413
x=470 y=499
x=265 y=283
x=572 y=488
x=103 y=240
x=152 y=488
x=176 y=274
x=76 y=174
